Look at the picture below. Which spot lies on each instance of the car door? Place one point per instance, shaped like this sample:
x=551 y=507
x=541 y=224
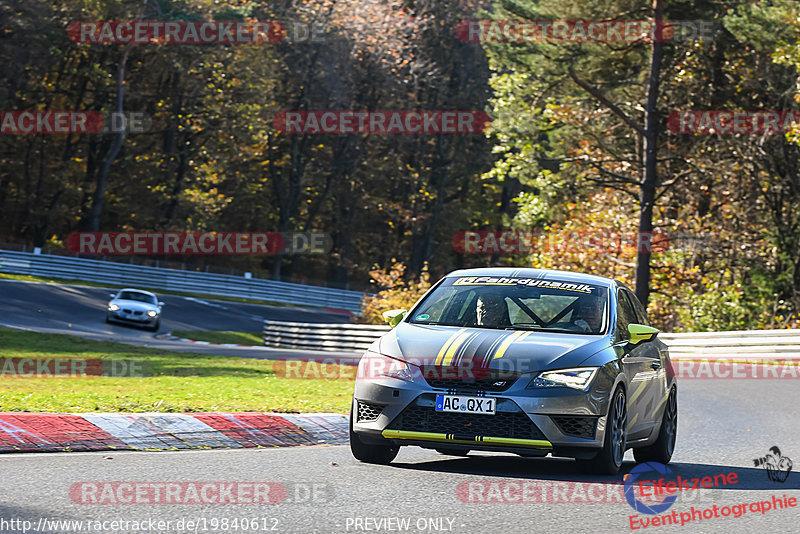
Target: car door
x=636 y=363
x=657 y=352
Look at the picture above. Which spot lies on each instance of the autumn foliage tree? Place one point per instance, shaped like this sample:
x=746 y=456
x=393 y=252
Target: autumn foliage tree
x=395 y=292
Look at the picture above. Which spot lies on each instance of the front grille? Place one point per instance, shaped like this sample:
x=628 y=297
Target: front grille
x=368 y=412
x=580 y=426
x=127 y=311
x=502 y=424
x=463 y=380
x=137 y=313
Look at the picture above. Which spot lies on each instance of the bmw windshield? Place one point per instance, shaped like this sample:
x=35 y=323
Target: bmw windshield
x=140 y=297
x=516 y=303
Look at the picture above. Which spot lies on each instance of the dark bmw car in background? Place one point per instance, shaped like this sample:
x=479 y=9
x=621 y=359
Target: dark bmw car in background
x=134 y=306
x=527 y=361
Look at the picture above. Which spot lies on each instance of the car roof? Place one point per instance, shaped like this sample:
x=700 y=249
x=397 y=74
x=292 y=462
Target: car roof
x=136 y=291
x=526 y=272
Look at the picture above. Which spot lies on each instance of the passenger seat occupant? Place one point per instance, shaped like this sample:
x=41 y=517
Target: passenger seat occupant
x=492 y=311
x=589 y=314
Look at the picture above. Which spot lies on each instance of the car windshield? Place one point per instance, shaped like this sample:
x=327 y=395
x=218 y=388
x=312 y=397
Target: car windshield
x=516 y=303
x=135 y=295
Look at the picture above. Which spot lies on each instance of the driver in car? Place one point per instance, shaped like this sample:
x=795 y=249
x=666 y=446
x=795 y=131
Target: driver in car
x=589 y=314
x=491 y=311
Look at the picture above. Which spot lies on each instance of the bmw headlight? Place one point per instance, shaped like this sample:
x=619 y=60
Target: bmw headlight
x=113 y=307
x=578 y=378
x=152 y=313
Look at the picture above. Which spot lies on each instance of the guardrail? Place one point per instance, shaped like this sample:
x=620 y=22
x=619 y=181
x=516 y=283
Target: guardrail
x=753 y=344
x=741 y=344
x=324 y=336
x=155 y=278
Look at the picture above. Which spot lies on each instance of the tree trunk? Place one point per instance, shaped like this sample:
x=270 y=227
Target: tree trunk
x=288 y=200
x=647 y=190
x=102 y=176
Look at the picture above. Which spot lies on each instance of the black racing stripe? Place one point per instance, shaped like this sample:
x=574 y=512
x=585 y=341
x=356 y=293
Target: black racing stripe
x=488 y=354
x=481 y=351
x=465 y=348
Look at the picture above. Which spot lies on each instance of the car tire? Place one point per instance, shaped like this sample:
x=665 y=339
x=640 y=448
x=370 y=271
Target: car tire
x=368 y=453
x=108 y=319
x=156 y=326
x=661 y=451
x=609 y=460
x=452 y=452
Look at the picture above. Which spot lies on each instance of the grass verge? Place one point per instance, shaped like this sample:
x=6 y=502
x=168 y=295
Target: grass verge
x=175 y=381
x=238 y=338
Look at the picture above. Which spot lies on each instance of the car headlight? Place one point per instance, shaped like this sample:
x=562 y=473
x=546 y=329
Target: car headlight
x=578 y=378
x=113 y=307
x=152 y=313
x=399 y=370
x=374 y=365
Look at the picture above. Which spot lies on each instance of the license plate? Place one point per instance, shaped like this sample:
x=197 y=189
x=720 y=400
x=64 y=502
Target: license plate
x=457 y=403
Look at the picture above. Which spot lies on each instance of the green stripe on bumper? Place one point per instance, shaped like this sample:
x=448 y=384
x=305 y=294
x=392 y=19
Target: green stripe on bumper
x=448 y=438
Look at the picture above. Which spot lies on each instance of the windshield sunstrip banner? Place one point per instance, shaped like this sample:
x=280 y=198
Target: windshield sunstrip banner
x=530 y=282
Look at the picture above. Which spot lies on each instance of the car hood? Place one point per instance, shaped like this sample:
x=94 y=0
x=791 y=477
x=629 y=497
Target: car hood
x=134 y=305
x=510 y=350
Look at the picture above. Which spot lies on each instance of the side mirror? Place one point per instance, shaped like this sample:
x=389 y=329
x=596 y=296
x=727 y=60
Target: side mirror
x=160 y=304
x=639 y=333
x=112 y=295
x=393 y=317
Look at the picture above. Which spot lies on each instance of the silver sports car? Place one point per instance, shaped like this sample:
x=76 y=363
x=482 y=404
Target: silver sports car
x=135 y=306
x=527 y=361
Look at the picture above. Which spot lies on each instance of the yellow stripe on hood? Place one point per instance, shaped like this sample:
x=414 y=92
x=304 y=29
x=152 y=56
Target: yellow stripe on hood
x=519 y=335
x=448 y=357
x=443 y=350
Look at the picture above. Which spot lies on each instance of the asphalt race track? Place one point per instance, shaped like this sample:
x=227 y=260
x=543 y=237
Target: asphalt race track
x=80 y=311
x=723 y=426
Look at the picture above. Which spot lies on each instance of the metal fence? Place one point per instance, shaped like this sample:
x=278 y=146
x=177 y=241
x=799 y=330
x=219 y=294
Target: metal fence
x=114 y=273
x=741 y=344
x=745 y=344
x=324 y=336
